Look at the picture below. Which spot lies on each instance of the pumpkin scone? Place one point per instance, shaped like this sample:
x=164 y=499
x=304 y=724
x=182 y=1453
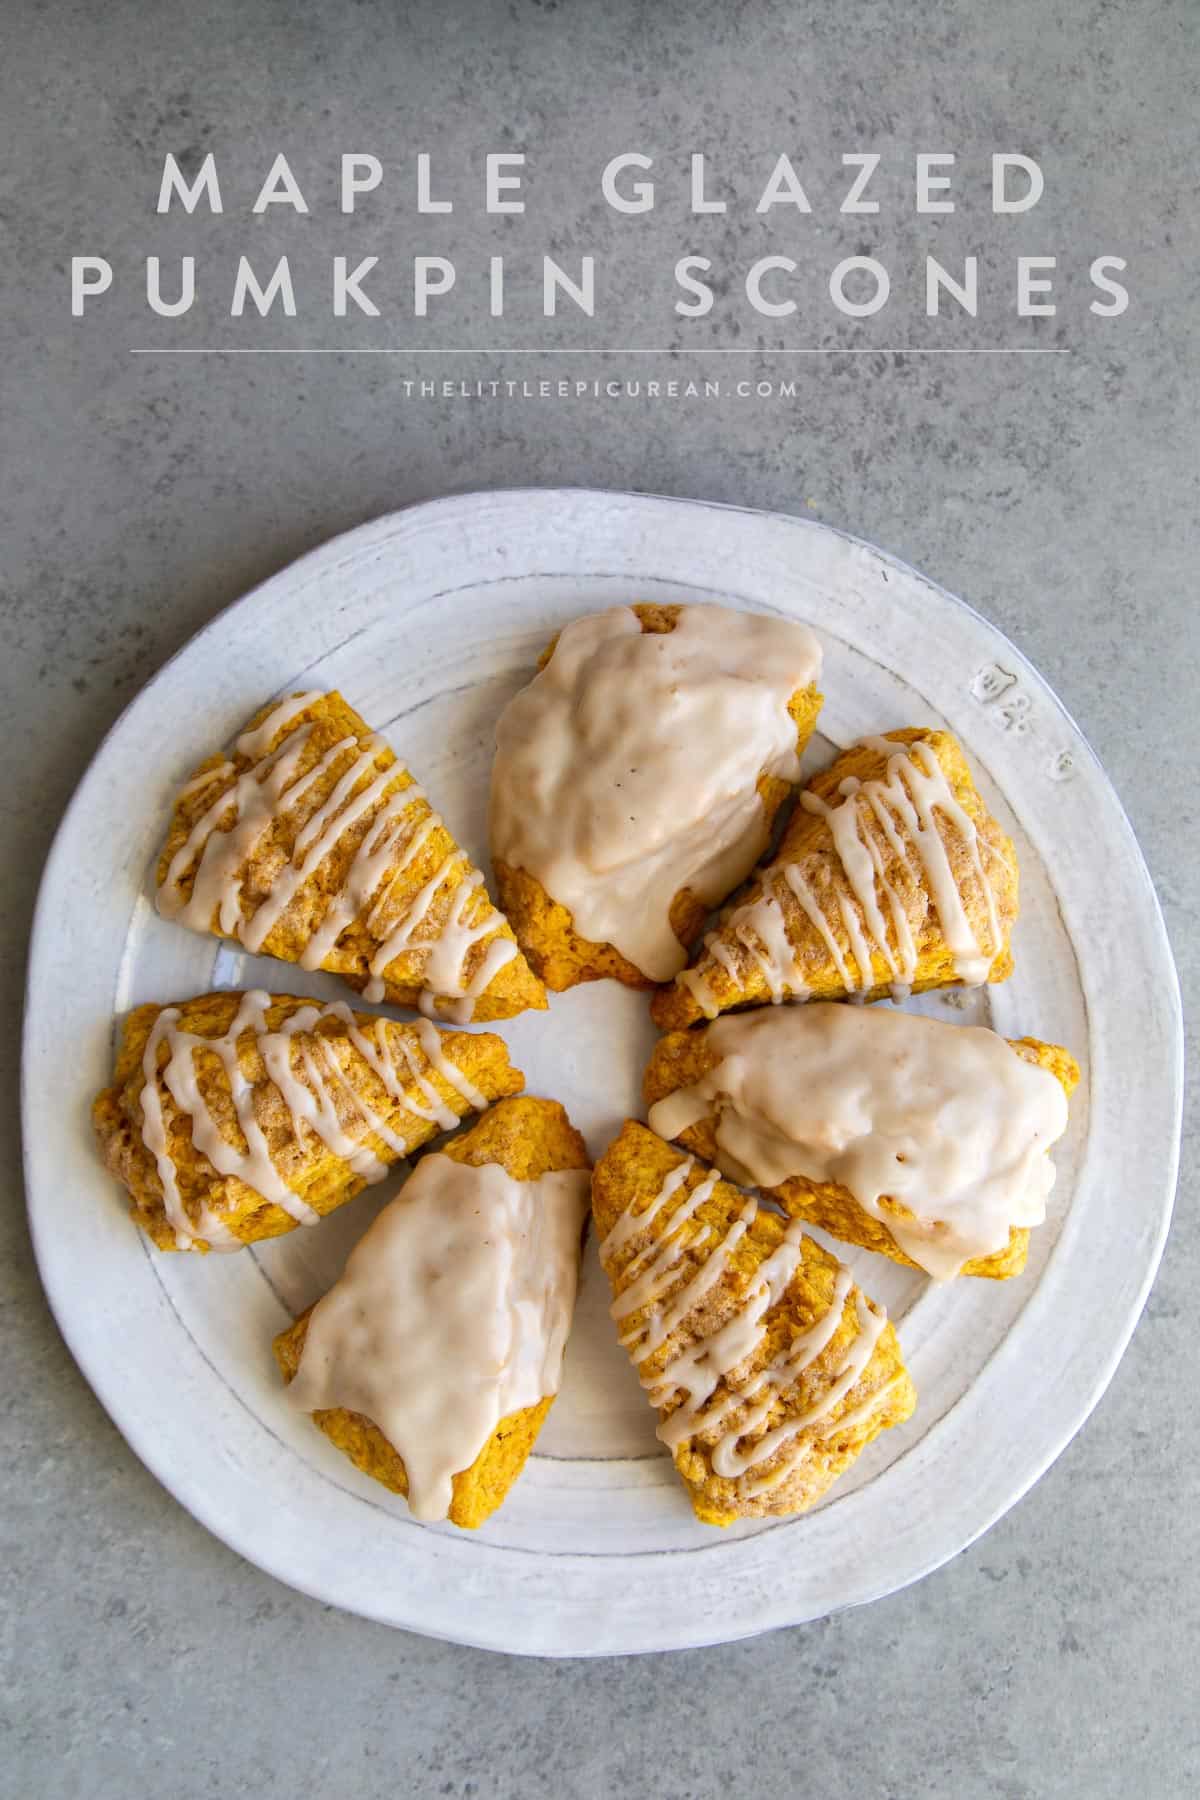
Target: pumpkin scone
x=235 y=1117
x=310 y=841
x=770 y=1370
x=925 y=1141
x=637 y=779
x=433 y=1362
x=891 y=876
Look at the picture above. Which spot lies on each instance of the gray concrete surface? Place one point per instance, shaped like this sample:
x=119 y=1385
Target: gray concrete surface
x=139 y=495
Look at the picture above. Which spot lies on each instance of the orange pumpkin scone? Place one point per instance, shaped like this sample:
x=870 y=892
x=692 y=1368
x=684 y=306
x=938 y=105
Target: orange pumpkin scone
x=235 y=1117
x=891 y=875
x=770 y=1370
x=637 y=779
x=311 y=842
x=433 y=1362
x=925 y=1141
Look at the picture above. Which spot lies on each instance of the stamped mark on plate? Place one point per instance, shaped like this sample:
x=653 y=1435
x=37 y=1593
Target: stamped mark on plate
x=1062 y=766
x=1007 y=704
x=997 y=689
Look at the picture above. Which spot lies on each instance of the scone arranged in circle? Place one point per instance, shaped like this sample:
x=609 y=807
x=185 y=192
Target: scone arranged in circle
x=235 y=1117
x=433 y=1362
x=637 y=778
x=311 y=842
x=891 y=875
x=771 y=1372
x=925 y=1141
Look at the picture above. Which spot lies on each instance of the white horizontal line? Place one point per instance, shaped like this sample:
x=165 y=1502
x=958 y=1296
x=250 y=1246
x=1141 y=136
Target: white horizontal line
x=672 y=350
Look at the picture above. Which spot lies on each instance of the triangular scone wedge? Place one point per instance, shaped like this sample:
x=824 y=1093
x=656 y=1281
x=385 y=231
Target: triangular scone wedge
x=770 y=1371
x=326 y=1100
x=892 y=874
x=311 y=842
x=545 y=927
x=683 y=1058
x=528 y=1139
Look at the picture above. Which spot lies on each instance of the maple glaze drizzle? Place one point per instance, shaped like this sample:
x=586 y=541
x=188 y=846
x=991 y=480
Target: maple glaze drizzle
x=218 y=851
x=304 y=1068
x=698 y=1382
x=867 y=921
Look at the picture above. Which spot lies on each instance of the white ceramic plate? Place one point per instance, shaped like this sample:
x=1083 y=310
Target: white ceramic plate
x=428 y=620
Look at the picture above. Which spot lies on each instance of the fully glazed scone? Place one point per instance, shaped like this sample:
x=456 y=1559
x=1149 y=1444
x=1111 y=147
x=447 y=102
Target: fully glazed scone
x=892 y=874
x=770 y=1370
x=433 y=1362
x=637 y=779
x=925 y=1141
x=235 y=1117
x=311 y=842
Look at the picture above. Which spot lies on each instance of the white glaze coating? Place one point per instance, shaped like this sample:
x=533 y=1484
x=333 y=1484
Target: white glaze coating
x=451 y=1315
x=304 y=1069
x=947 y=1120
x=626 y=771
x=225 y=837
x=707 y=1362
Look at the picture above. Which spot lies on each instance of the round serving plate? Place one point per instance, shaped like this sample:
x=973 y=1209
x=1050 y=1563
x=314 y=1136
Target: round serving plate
x=428 y=620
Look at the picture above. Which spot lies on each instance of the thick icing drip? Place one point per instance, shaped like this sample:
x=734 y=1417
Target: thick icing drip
x=219 y=772
x=689 y=1381
x=627 y=770
x=430 y=1040
x=222 y=842
x=630 y=1224
x=451 y=1315
x=869 y=917
x=694 y=981
x=303 y=1067
x=154 y=1135
x=257 y=742
x=769 y=931
x=945 y=1120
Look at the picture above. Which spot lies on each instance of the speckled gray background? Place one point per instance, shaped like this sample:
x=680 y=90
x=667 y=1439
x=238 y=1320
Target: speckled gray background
x=139 y=495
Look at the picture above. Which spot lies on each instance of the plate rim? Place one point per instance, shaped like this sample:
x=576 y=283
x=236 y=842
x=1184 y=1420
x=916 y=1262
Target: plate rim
x=137 y=1433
